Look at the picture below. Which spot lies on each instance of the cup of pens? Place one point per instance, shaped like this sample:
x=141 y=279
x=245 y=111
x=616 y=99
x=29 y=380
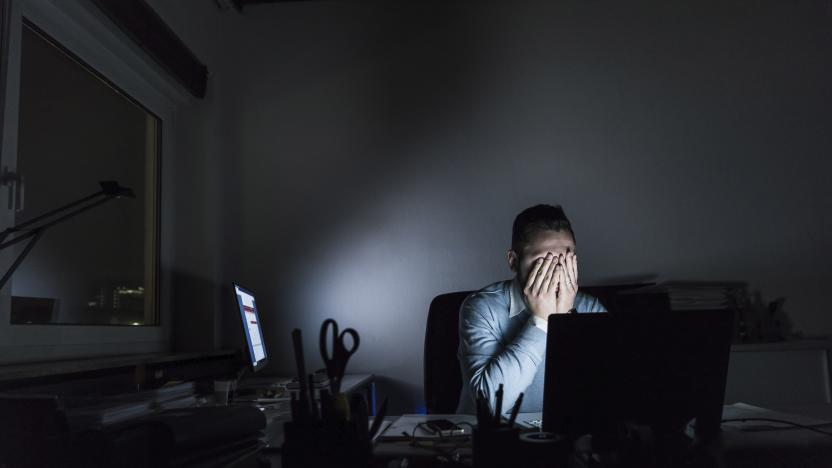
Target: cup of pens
x=332 y=430
x=495 y=442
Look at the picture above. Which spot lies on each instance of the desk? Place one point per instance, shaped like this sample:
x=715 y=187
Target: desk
x=146 y=428
x=785 y=448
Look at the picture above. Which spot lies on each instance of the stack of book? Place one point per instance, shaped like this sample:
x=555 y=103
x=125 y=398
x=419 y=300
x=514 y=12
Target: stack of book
x=86 y=412
x=705 y=295
x=691 y=295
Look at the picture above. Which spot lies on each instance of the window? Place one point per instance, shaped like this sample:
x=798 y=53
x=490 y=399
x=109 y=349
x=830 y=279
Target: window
x=76 y=128
x=81 y=104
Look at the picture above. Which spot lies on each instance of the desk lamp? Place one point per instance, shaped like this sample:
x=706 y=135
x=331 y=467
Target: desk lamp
x=35 y=227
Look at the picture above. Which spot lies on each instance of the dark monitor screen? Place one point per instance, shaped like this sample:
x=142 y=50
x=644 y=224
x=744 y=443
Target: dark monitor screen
x=251 y=327
x=648 y=367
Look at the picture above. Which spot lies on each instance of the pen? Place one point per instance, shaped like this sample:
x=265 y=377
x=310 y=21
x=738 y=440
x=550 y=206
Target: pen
x=515 y=410
x=326 y=405
x=483 y=414
x=303 y=396
x=498 y=406
x=358 y=415
x=380 y=414
x=313 y=404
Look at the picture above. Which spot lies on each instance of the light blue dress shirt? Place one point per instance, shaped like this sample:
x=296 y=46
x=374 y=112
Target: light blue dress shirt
x=500 y=343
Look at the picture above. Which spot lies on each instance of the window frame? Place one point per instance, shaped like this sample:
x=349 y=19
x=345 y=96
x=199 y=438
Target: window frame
x=79 y=27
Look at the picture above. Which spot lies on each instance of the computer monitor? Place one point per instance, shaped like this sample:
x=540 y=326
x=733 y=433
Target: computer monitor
x=656 y=368
x=251 y=327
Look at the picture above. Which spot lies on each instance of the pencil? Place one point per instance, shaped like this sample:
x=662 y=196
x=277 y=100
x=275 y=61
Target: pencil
x=498 y=406
x=515 y=410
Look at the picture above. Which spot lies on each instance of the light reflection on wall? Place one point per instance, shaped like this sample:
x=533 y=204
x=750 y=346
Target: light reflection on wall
x=388 y=166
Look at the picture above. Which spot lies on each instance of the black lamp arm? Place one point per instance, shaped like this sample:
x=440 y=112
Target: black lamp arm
x=109 y=190
x=19 y=259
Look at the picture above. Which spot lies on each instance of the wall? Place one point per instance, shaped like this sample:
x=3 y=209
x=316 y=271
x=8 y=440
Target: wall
x=371 y=156
x=196 y=279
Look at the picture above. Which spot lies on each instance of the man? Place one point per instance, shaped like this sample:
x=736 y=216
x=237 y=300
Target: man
x=502 y=327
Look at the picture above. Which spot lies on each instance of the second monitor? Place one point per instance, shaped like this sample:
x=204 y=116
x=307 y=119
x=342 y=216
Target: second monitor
x=656 y=368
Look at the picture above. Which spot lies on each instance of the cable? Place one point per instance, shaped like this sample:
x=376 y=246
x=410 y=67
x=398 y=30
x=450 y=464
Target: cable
x=449 y=453
x=801 y=426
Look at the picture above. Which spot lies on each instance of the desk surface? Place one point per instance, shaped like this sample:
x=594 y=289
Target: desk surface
x=782 y=448
x=350 y=382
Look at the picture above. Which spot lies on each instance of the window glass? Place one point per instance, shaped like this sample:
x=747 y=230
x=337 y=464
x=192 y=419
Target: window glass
x=76 y=129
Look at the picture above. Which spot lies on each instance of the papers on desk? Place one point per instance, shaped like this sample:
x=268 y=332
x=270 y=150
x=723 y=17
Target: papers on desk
x=744 y=410
x=100 y=411
x=409 y=424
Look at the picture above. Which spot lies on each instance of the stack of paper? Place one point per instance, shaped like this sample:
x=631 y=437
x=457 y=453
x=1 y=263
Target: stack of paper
x=701 y=295
x=106 y=414
x=105 y=410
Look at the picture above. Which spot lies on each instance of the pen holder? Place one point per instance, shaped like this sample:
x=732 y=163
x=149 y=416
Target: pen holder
x=495 y=447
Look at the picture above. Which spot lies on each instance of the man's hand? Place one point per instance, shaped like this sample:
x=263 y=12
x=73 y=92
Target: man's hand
x=541 y=289
x=566 y=279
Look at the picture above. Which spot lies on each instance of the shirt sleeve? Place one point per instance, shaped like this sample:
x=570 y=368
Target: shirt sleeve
x=487 y=361
x=540 y=323
x=595 y=305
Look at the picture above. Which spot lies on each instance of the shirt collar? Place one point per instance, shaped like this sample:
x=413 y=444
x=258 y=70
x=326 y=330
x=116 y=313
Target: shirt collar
x=518 y=304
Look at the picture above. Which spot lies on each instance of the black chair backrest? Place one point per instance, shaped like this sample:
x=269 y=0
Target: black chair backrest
x=443 y=378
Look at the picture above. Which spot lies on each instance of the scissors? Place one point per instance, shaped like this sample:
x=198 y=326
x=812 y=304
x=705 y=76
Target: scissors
x=336 y=363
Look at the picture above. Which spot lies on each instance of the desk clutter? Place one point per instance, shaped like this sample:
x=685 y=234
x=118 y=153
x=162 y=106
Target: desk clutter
x=47 y=435
x=333 y=429
x=500 y=444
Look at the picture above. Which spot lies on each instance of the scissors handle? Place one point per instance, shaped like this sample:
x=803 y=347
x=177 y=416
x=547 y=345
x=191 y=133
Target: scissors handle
x=355 y=342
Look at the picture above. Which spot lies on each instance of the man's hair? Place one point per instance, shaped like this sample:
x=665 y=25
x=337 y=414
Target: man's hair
x=535 y=219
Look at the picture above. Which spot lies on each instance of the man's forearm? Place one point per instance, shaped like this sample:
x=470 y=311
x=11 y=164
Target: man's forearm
x=488 y=365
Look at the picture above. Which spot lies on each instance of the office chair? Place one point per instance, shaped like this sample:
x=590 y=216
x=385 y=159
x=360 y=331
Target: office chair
x=443 y=377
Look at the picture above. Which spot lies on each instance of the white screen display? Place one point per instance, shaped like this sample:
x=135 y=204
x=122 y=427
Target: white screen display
x=251 y=325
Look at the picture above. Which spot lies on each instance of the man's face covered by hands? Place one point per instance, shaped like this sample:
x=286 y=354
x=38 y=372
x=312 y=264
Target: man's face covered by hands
x=540 y=244
x=547 y=270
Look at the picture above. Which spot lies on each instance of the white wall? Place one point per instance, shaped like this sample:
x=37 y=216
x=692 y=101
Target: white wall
x=196 y=276
x=371 y=156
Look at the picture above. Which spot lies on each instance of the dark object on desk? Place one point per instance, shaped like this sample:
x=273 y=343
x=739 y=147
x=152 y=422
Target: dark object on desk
x=338 y=435
x=443 y=377
x=34 y=228
x=25 y=422
x=656 y=368
x=35 y=433
x=496 y=447
x=442 y=426
x=543 y=450
x=497 y=444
